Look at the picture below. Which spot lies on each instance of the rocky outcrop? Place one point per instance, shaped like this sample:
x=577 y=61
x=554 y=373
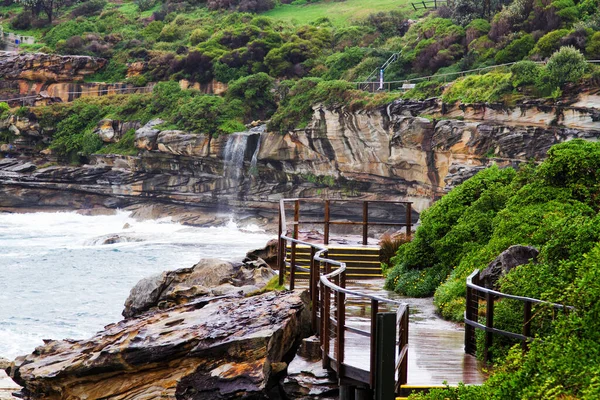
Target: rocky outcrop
x=407 y=150
x=507 y=260
x=210 y=348
x=41 y=67
x=210 y=277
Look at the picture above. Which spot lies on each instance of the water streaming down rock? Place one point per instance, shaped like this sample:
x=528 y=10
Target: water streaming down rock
x=241 y=147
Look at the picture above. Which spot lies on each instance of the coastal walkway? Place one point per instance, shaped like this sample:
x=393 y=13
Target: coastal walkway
x=379 y=344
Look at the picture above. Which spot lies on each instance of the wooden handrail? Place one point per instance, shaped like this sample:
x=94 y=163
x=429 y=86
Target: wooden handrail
x=471 y=316
x=321 y=287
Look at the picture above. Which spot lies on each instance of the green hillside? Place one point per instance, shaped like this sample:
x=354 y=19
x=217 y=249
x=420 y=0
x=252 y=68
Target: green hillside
x=339 y=13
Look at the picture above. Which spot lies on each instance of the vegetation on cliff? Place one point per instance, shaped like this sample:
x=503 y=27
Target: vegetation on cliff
x=553 y=207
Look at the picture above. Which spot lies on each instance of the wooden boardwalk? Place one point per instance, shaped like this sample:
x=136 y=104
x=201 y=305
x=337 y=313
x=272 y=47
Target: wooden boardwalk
x=436 y=347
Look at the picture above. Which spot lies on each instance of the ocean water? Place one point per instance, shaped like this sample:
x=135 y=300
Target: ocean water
x=57 y=279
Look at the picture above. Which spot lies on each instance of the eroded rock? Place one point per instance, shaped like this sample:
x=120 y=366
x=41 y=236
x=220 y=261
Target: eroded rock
x=507 y=260
x=211 y=348
x=145 y=137
x=208 y=277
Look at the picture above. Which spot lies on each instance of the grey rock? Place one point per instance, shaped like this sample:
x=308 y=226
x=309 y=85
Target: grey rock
x=145 y=137
x=507 y=260
x=208 y=277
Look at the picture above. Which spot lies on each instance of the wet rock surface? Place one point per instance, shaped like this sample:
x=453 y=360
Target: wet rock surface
x=209 y=277
x=210 y=348
x=507 y=260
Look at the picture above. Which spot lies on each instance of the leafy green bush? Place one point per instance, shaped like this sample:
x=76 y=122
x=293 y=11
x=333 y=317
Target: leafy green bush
x=566 y=65
x=516 y=50
x=525 y=73
x=4 y=110
x=67 y=30
x=479 y=88
x=255 y=94
x=549 y=43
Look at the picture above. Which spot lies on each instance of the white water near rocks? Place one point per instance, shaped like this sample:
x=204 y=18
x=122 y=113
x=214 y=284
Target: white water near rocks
x=57 y=279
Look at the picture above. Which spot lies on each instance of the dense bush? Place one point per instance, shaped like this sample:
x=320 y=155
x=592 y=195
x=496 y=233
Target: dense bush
x=88 y=8
x=566 y=65
x=479 y=88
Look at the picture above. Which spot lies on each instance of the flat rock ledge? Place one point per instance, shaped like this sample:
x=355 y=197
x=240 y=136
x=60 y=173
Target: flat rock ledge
x=227 y=347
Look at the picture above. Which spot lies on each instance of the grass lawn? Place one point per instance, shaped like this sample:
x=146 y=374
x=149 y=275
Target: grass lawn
x=338 y=12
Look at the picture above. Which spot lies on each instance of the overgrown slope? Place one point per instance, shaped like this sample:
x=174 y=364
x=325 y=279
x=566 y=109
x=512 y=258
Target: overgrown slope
x=553 y=207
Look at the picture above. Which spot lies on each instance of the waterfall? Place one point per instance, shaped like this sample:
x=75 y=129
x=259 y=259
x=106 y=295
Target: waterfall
x=233 y=156
x=237 y=150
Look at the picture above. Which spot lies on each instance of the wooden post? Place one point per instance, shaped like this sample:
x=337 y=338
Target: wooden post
x=373 y=369
x=281 y=252
x=326 y=227
x=470 y=347
x=489 y=323
x=403 y=341
x=341 y=324
x=314 y=279
x=526 y=324
x=365 y=222
x=408 y=220
x=385 y=387
x=293 y=258
x=326 y=321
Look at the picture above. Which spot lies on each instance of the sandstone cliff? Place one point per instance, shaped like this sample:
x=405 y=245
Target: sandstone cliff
x=406 y=150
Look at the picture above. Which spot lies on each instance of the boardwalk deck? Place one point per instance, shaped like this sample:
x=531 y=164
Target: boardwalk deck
x=436 y=347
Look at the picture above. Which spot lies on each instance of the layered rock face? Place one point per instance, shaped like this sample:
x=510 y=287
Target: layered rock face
x=408 y=150
x=41 y=67
x=179 y=341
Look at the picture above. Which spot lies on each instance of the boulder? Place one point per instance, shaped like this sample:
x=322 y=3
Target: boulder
x=145 y=137
x=106 y=130
x=267 y=253
x=212 y=348
x=208 y=277
x=507 y=260
x=183 y=144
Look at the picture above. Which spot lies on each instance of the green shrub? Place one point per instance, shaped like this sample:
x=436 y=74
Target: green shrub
x=67 y=30
x=566 y=65
x=479 y=88
x=255 y=93
x=549 y=43
x=525 y=73
x=4 y=110
x=516 y=50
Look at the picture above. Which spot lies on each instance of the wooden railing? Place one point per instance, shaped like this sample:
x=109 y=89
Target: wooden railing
x=481 y=298
x=387 y=337
x=419 y=5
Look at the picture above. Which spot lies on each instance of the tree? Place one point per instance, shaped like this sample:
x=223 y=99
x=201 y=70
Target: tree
x=49 y=7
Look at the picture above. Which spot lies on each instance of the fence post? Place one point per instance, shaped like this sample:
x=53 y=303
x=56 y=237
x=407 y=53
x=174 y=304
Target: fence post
x=326 y=227
x=489 y=323
x=281 y=252
x=293 y=259
x=385 y=387
x=341 y=325
x=326 y=317
x=365 y=222
x=373 y=369
x=314 y=279
x=408 y=220
x=403 y=340
x=526 y=323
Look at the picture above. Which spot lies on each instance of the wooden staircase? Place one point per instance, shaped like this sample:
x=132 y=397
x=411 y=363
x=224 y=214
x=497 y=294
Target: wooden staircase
x=361 y=262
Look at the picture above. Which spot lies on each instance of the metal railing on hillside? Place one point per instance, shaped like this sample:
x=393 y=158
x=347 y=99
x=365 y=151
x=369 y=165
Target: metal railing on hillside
x=445 y=77
x=85 y=93
x=483 y=299
x=388 y=335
